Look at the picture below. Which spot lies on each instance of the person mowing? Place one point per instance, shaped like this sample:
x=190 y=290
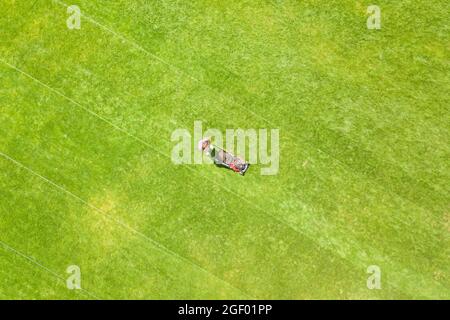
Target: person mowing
x=222 y=157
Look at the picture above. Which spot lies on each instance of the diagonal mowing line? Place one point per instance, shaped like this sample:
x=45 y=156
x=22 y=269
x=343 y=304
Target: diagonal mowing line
x=178 y=69
x=172 y=66
x=157 y=244
x=76 y=103
x=161 y=60
x=134 y=44
x=40 y=265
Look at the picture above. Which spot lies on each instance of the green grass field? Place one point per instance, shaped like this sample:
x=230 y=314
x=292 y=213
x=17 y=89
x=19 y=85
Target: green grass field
x=86 y=178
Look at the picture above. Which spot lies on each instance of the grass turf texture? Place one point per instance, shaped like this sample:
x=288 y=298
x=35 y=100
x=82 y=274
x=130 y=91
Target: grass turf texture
x=364 y=126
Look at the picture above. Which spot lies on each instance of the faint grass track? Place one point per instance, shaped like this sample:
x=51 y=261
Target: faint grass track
x=41 y=266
